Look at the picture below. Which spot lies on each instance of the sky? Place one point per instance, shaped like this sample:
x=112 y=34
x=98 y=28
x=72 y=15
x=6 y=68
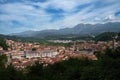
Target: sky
x=24 y=15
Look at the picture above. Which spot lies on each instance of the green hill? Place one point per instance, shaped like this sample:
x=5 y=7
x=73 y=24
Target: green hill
x=106 y=36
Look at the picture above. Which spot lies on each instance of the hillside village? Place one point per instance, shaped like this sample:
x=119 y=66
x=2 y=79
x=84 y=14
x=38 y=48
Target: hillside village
x=23 y=54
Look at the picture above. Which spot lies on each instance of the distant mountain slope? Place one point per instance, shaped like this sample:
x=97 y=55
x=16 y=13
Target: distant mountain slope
x=25 y=34
x=80 y=29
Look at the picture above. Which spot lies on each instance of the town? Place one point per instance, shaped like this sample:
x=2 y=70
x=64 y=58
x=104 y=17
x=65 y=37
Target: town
x=23 y=54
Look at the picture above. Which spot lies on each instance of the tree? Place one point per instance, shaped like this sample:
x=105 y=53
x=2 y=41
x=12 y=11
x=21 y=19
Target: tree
x=3 y=43
x=3 y=60
x=34 y=49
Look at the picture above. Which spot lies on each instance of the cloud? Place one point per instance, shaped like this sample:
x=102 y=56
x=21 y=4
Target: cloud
x=26 y=15
x=65 y=5
x=22 y=15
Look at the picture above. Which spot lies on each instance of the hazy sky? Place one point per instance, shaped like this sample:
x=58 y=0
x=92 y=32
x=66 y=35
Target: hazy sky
x=22 y=15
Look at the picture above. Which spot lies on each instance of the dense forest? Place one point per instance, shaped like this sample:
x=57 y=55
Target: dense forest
x=107 y=67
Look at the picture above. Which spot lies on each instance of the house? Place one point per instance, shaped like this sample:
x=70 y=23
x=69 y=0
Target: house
x=1 y=48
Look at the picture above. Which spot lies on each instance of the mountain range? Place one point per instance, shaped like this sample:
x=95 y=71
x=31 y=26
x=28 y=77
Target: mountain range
x=80 y=29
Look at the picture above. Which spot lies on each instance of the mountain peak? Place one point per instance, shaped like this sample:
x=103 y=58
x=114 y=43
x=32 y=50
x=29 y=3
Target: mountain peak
x=80 y=29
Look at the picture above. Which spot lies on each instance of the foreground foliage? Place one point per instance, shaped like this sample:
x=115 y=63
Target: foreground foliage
x=3 y=43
